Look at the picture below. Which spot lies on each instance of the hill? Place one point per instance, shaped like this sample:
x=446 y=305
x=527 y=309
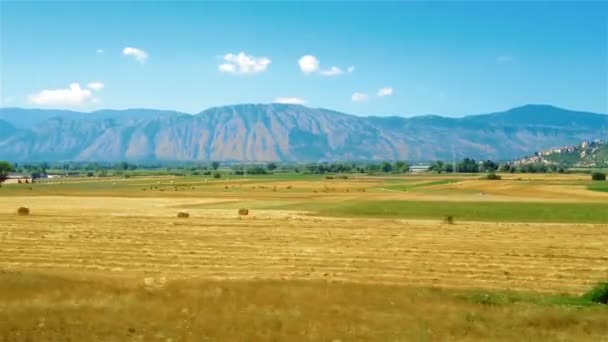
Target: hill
x=586 y=154
x=280 y=132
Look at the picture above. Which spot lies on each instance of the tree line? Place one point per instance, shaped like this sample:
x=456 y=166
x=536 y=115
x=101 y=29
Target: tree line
x=215 y=168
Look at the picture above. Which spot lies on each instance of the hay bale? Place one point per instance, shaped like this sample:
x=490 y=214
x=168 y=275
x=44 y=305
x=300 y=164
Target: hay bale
x=243 y=211
x=23 y=211
x=183 y=214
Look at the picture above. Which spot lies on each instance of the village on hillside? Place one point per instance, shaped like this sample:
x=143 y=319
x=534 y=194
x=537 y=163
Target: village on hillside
x=587 y=154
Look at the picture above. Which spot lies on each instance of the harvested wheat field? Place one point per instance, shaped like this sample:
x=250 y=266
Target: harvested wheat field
x=378 y=263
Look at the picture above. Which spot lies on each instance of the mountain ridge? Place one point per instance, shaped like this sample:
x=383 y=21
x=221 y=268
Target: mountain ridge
x=283 y=132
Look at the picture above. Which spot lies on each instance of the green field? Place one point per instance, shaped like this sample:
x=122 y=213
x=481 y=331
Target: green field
x=599 y=186
x=468 y=211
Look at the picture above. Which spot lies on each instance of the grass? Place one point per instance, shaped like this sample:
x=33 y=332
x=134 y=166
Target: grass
x=48 y=308
x=469 y=211
x=598 y=186
x=408 y=187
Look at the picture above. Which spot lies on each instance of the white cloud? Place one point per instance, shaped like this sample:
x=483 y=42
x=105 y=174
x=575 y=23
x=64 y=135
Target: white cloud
x=139 y=55
x=97 y=86
x=290 y=100
x=386 y=91
x=99 y=51
x=333 y=71
x=308 y=64
x=359 y=97
x=72 y=96
x=243 y=64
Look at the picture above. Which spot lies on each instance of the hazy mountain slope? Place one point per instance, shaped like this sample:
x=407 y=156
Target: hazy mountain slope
x=288 y=133
x=6 y=128
x=28 y=118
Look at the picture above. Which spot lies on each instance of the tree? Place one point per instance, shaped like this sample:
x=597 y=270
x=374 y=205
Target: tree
x=5 y=168
x=598 y=176
x=122 y=166
x=401 y=166
x=489 y=166
x=386 y=167
x=215 y=165
x=436 y=166
x=271 y=166
x=256 y=170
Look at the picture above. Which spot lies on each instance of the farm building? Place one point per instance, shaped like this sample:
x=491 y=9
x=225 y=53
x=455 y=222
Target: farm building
x=17 y=178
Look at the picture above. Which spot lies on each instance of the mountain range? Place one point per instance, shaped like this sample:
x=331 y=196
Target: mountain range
x=290 y=133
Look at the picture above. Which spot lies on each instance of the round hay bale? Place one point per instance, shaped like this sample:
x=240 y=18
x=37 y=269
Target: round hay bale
x=23 y=211
x=183 y=214
x=243 y=211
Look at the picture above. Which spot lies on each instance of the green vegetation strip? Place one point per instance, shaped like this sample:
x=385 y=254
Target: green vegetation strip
x=596 y=295
x=466 y=211
x=407 y=187
x=599 y=186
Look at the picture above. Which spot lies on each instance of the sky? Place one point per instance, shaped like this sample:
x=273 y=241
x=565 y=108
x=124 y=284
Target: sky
x=364 y=58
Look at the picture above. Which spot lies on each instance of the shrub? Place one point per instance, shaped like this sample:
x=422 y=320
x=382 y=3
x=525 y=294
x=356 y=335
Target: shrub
x=493 y=176
x=217 y=175
x=598 y=294
x=183 y=214
x=23 y=211
x=329 y=177
x=243 y=211
x=448 y=219
x=256 y=170
x=598 y=176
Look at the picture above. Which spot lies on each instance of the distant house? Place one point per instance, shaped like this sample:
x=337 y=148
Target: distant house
x=17 y=178
x=14 y=175
x=419 y=168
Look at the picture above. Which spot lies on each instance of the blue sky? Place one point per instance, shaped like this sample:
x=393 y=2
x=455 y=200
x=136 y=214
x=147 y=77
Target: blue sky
x=449 y=58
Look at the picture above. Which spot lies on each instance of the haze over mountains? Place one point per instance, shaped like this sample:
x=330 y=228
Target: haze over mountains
x=280 y=132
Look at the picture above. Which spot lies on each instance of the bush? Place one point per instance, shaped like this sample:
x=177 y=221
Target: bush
x=217 y=175
x=243 y=211
x=493 y=176
x=23 y=211
x=598 y=176
x=183 y=214
x=329 y=177
x=598 y=294
x=448 y=219
x=256 y=170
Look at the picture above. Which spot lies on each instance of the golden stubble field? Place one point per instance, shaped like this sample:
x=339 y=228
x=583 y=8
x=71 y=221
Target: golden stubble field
x=130 y=253
x=143 y=238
